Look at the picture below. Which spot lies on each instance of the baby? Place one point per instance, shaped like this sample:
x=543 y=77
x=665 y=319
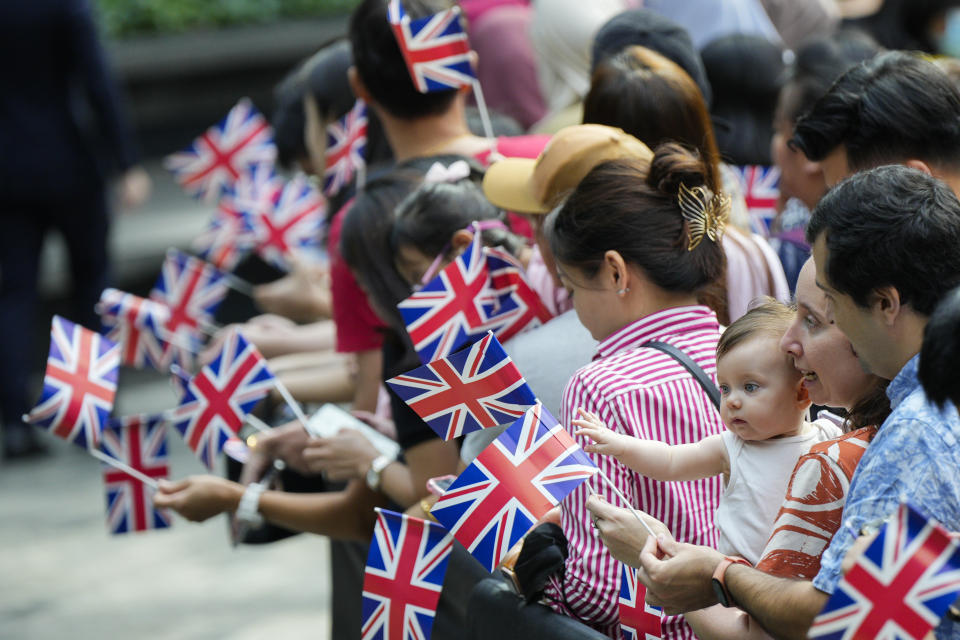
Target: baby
x=764 y=406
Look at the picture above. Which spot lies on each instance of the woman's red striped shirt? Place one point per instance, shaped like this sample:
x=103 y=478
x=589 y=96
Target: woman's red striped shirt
x=647 y=394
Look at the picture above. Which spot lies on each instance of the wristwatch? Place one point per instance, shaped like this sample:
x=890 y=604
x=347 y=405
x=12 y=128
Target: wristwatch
x=248 y=511
x=719 y=586
x=373 y=473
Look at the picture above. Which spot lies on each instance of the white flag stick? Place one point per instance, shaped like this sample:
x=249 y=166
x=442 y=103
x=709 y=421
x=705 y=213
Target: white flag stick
x=294 y=406
x=482 y=108
x=238 y=284
x=258 y=424
x=127 y=469
x=626 y=502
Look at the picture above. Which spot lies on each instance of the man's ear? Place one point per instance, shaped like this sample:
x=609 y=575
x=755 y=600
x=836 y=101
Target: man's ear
x=886 y=301
x=356 y=85
x=920 y=165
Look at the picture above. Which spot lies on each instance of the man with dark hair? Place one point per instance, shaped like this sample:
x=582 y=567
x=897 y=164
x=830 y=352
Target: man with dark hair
x=885 y=246
x=894 y=108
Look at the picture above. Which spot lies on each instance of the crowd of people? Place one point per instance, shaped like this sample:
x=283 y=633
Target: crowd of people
x=743 y=216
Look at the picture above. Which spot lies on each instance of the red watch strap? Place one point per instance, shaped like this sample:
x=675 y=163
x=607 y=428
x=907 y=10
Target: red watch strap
x=720 y=573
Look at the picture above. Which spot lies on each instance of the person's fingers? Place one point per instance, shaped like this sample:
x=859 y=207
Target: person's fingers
x=668 y=545
x=165 y=486
x=600 y=508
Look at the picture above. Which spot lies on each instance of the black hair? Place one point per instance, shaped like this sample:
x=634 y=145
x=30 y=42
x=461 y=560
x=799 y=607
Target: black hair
x=428 y=217
x=890 y=226
x=888 y=109
x=621 y=206
x=365 y=239
x=940 y=355
x=816 y=65
x=904 y=24
x=655 y=32
x=380 y=64
x=744 y=102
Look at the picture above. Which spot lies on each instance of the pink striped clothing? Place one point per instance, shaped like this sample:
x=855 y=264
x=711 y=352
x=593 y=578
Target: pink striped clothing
x=647 y=394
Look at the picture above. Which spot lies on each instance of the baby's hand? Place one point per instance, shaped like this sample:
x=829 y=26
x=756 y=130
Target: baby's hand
x=605 y=441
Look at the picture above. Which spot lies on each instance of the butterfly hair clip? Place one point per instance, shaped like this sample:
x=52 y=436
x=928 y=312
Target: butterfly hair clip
x=706 y=215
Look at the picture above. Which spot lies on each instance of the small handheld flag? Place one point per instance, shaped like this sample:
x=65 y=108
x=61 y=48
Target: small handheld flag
x=216 y=159
x=79 y=384
x=899 y=588
x=638 y=620
x=139 y=442
x=136 y=325
x=472 y=389
x=435 y=48
x=406 y=566
x=346 y=142
x=520 y=476
x=292 y=226
x=217 y=399
x=231 y=233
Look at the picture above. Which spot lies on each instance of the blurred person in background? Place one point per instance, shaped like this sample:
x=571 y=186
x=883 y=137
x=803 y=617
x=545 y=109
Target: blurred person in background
x=654 y=100
x=63 y=135
x=816 y=64
x=742 y=115
x=931 y=26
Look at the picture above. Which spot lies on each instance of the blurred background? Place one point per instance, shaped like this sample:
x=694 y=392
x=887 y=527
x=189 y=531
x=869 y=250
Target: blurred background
x=180 y=64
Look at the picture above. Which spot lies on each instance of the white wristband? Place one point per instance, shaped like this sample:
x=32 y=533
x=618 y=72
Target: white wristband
x=248 y=511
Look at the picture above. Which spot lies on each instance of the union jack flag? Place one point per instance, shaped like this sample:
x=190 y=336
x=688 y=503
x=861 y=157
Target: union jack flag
x=638 y=620
x=346 y=142
x=193 y=290
x=227 y=150
x=139 y=441
x=231 y=232
x=217 y=399
x=481 y=290
x=292 y=226
x=135 y=324
x=899 y=588
x=761 y=189
x=520 y=476
x=79 y=384
x=435 y=48
x=518 y=306
x=472 y=389
x=406 y=566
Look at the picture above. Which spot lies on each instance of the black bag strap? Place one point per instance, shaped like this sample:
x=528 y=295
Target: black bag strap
x=691 y=366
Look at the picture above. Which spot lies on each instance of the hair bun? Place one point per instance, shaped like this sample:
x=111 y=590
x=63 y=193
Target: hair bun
x=673 y=165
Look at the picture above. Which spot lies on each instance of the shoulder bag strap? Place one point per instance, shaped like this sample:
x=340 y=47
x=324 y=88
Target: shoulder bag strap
x=696 y=370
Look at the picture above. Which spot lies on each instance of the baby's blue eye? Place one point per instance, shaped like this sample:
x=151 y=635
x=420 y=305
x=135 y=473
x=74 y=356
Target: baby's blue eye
x=724 y=389
x=750 y=387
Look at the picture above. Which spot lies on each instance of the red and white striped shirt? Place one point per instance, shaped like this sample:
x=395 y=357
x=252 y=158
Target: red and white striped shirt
x=647 y=394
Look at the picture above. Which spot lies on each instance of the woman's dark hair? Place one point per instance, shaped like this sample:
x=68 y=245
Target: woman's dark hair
x=658 y=33
x=744 y=100
x=620 y=206
x=380 y=64
x=890 y=226
x=365 y=240
x=429 y=216
x=655 y=101
x=940 y=355
x=817 y=63
x=891 y=108
x=870 y=410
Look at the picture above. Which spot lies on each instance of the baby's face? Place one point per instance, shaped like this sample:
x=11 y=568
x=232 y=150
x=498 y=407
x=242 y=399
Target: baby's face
x=760 y=390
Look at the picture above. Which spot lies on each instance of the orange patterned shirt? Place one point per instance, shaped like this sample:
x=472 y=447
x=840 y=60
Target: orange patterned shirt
x=813 y=508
